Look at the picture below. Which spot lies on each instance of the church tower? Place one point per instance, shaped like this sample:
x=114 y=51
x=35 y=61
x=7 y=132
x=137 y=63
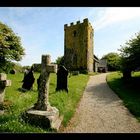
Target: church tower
x=78 y=46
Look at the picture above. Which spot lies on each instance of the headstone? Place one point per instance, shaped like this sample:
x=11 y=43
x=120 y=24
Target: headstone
x=13 y=71
x=62 y=76
x=26 y=71
x=28 y=80
x=3 y=84
x=42 y=113
x=38 y=82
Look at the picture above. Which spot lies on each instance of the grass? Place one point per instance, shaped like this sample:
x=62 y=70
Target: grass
x=128 y=91
x=66 y=103
x=16 y=102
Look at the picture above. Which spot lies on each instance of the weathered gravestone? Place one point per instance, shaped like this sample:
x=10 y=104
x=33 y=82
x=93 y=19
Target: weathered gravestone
x=62 y=76
x=3 y=84
x=28 y=80
x=42 y=113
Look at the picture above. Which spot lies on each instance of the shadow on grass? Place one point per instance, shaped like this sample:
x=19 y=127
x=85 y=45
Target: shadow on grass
x=6 y=118
x=128 y=91
x=132 y=84
x=25 y=90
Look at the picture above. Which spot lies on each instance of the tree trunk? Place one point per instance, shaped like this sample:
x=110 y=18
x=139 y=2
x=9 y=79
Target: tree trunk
x=127 y=74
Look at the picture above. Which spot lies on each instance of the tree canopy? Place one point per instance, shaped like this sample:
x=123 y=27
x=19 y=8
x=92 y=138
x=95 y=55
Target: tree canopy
x=113 y=60
x=10 y=46
x=60 y=60
x=130 y=54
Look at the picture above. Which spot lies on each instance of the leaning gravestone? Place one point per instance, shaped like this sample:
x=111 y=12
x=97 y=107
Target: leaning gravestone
x=3 y=84
x=28 y=80
x=62 y=75
x=42 y=113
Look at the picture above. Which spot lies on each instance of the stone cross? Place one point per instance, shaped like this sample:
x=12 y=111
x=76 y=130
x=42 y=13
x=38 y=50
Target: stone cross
x=42 y=113
x=3 y=84
x=43 y=93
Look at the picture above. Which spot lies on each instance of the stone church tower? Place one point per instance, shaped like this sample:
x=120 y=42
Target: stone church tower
x=78 y=46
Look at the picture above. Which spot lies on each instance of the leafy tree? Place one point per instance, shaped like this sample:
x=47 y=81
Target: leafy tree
x=60 y=60
x=130 y=56
x=113 y=60
x=10 y=47
x=17 y=67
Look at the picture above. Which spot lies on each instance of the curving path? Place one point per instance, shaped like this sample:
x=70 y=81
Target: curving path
x=101 y=111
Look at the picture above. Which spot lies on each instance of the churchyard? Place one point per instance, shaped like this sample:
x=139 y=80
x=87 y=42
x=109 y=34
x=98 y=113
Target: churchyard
x=44 y=106
x=16 y=102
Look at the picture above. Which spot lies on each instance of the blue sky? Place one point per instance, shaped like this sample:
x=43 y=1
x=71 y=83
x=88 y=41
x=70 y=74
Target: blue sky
x=42 y=28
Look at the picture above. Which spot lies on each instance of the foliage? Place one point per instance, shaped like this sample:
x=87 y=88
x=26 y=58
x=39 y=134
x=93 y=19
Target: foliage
x=60 y=60
x=37 y=67
x=10 y=46
x=17 y=67
x=26 y=67
x=113 y=61
x=130 y=55
x=127 y=91
x=5 y=66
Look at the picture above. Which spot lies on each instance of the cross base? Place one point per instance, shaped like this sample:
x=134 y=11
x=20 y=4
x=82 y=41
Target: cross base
x=47 y=119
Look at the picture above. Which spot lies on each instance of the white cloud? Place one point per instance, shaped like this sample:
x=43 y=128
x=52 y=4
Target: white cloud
x=115 y=15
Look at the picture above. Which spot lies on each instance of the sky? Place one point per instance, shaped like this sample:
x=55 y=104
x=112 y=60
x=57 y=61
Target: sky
x=41 y=29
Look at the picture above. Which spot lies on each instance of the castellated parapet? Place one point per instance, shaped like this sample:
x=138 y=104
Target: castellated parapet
x=85 y=21
x=78 y=46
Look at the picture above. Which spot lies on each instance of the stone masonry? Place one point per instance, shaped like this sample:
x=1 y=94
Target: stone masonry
x=78 y=46
x=42 y=113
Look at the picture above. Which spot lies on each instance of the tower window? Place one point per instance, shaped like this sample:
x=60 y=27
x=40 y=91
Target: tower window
x=74 y=33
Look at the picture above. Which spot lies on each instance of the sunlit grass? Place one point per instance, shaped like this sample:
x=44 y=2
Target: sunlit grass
x=17 y=102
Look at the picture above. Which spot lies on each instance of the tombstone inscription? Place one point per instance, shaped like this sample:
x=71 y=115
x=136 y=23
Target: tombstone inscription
x=42 y=113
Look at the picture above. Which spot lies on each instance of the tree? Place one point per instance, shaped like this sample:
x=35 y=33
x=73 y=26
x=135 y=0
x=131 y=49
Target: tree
x=130 y=56
x=113 y=60
x=10 y=47
x=60 y=60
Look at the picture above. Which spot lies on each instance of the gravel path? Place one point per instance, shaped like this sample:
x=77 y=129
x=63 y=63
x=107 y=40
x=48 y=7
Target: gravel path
x=101 y=111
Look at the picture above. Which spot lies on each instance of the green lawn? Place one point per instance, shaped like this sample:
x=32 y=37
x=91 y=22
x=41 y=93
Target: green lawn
x=128 y=91
x=17 y=102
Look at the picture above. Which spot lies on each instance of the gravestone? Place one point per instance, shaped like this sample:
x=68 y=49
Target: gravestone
x=26 y=71
x=42 y=113
x=28 y=80
x=38 y=82
x=62 y=76
x=13 y=71
x=3 y=84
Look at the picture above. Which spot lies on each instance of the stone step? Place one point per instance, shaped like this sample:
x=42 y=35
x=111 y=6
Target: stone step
x=49 y=118
x=57 y=123
x=52 y=113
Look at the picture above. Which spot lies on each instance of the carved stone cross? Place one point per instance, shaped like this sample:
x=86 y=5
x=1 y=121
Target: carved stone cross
x=46 y=69
x=42 y=113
